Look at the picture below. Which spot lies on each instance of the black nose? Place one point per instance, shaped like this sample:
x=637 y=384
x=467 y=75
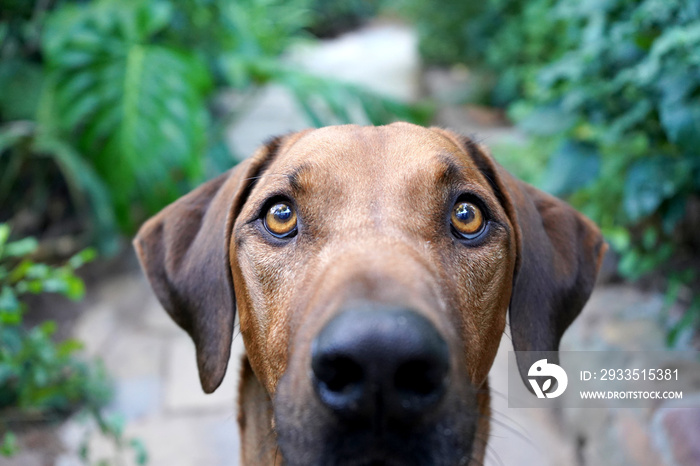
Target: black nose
x=376 y=362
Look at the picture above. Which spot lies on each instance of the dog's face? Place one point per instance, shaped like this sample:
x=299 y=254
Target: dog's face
x=374 y=224
x=373 y=269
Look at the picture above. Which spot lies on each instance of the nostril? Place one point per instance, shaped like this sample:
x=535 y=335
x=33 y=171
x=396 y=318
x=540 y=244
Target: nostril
x=379 y=362
x=418 y=378
x=338 y=373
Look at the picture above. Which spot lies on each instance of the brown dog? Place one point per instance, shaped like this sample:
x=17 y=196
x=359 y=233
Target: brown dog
x=372 y=269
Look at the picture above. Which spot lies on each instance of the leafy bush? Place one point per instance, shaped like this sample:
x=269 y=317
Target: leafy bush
x=113 y=98
x=133 y=107
x=35 y=374
x=609 y=90
x=623 y=106
x=332 y=17
x=507 y=40
x=41 y=380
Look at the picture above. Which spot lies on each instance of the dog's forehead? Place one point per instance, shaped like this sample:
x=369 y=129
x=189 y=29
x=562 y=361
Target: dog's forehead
x=365 y=154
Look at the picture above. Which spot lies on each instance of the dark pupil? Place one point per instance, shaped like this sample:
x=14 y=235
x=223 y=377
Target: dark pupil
x=282 y=212
x=464 y=213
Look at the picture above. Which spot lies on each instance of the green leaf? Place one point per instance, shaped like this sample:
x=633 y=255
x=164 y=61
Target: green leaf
x=649 y=238
x=74 y=288
x=11 y=316
x=23 y=247
x=618 y=237
x=690 y=318
x=113 y=424
x=140 y=452
x=83 y=257
x=327 y=101
x=20 y=81
x=572 y=167
x=138 y=107
x=629 y=265
x=12 y=135
x=649 y=182
x=9 y=304
x=4 y=236
x=9 y=446
x=38 y=271
x=6 y=373
x=84 y=183
x=47 y=328
x=54 y=285
x=547 y=121
x=681 y=121
x=29 y=286
x=20 y=271
x=673 y=214
x=68 y=347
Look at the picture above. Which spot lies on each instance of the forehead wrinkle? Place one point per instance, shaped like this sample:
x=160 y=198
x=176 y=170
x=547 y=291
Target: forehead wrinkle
x=448 y=170
x=447 y=174
x=298 y=177
x=331 y=167
x=290 y=178
x=461 y=169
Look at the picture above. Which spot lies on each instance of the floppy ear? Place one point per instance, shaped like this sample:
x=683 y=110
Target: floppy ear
x=184 y=252
x=559 y=252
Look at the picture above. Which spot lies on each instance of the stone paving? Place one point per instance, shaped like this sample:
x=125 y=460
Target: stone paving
x=153 y=361
x=157 y=386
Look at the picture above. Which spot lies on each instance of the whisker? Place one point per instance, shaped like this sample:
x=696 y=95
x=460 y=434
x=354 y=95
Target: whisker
x=258 y=177
x=507 y=418
x=494 y=454
x=500 y=394
x=517 y=434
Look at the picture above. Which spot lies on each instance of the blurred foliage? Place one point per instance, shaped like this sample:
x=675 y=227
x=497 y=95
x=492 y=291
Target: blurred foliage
x=114 y=98
x=134 y=108
x=609 y=90
x=41 y=380
x=623 y=106
x=332 y=17
x=507 y=40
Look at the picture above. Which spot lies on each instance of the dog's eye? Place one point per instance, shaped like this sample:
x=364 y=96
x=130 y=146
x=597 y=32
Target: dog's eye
x=281 y=220
x=467 y=220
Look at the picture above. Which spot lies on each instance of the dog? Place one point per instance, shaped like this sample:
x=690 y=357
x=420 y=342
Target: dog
x=372 y=269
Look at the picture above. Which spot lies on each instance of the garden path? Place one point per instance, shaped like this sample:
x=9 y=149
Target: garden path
x=153 y=361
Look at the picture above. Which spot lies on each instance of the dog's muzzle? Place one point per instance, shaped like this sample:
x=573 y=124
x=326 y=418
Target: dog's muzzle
x=377 y=365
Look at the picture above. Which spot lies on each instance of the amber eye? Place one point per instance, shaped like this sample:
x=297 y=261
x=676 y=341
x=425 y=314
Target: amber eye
x=467 y=219
x=281 y=220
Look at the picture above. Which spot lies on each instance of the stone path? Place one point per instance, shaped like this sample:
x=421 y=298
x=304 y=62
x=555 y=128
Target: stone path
x=157 y=386
x=153 y=361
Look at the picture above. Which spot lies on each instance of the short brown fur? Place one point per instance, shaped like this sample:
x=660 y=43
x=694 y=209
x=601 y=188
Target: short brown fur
x=373 y=204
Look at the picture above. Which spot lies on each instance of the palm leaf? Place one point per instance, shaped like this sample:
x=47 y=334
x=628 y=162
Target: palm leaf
x=136 y=108
x=328 y=101
x=11 y=135
x=87 y=189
